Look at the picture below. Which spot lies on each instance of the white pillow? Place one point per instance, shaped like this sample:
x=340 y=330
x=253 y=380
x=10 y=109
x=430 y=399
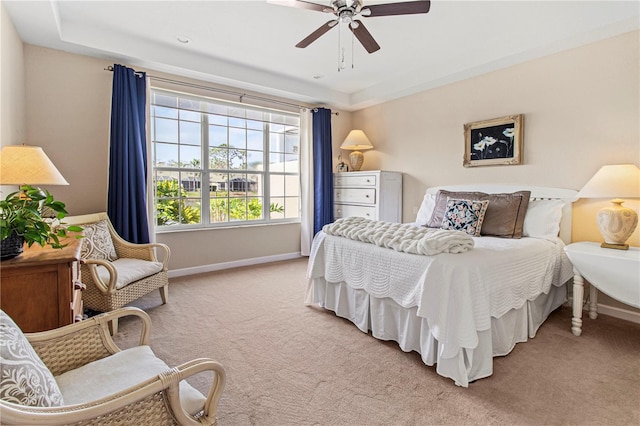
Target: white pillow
x=426 y=209
x=543 y=219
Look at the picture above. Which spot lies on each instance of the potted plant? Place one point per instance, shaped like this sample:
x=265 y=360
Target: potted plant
x=21 y=220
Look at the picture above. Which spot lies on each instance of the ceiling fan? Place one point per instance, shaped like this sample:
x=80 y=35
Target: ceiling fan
x=347 y=10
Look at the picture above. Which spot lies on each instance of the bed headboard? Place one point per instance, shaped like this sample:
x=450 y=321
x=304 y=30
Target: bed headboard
x=537 y=193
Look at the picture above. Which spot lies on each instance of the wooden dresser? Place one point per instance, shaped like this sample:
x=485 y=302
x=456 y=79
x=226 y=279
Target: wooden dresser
x=37 y=287
x=375 y=195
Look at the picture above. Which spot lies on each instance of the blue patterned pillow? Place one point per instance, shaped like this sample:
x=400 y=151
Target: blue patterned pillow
x=464 y=215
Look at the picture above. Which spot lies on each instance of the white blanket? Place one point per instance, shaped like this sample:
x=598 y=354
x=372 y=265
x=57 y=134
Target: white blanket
x=457 y=294
x=401 y=236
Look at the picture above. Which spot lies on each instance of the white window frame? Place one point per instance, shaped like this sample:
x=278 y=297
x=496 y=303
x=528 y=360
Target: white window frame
x=205 y=170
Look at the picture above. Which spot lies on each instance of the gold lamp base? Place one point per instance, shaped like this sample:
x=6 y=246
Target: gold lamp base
x=616 y=224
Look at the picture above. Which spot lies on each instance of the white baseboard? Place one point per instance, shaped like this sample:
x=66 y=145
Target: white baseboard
x=616 y=312
x=174 y=273
x=612 y=311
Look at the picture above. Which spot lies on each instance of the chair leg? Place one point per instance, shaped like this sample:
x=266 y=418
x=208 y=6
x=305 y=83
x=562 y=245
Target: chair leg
x=164 y=294
x=113 y=326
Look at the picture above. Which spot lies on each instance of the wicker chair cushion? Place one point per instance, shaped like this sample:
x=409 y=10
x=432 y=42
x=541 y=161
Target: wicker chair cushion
x=97 y=242
x=130 y=270
x=118 y=372
x=25 y=378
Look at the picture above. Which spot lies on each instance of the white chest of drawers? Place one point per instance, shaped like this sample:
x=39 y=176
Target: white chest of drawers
x=375 y=195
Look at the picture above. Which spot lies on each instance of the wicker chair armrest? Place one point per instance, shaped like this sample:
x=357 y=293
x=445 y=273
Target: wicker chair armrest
x=129 y=402
x=191 y=368
x=74 y=345
x=104 y=287
x=149 y=251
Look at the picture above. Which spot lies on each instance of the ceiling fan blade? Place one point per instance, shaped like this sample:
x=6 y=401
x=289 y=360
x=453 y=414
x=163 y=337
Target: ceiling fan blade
x=301 y=5
x=405 y=8
x=317 y=33
x=364 y=37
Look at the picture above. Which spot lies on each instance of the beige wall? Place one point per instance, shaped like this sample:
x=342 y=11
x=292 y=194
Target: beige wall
x=12 y=105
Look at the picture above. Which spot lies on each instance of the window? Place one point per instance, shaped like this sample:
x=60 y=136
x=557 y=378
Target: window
x=218 y=163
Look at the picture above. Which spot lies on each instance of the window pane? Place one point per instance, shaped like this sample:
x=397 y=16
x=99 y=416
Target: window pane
x=218 y=158
x=165 y=154
x=291 y=164
x=237 y=122
x=292 y=144
x=159 y=111
x=255 y=140
x=237 y=138
x=165 y=100
x=276 y=208
x=276 y=142
x=190 y=115
x=189 y=104
x=276 y=162
x=190 y=133
x=166 y=130
x=217 y=136
x=254 y=208
x=219 y=210
x=190 y=156
x=278 y=128
x=276 y=185
x=292 y=185
x=218 y=119
x=291 y=207
x=255 y=125
x=237 y=159
x=255 y=160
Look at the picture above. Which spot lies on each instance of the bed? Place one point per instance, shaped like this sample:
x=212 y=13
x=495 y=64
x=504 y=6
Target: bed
x=458 y=310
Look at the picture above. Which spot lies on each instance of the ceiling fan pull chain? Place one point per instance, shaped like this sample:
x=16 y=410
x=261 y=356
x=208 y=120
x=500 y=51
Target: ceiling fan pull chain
x=352 y=49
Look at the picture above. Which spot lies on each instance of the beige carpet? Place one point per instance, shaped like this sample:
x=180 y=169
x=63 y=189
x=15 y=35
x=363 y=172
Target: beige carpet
x=291 y=364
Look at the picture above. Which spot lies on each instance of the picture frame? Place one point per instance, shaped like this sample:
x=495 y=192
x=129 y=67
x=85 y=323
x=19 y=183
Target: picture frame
x=494 y=142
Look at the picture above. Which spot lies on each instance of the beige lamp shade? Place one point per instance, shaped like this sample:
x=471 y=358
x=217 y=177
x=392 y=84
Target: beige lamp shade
x=28 y=165
x=616 y=222
x=356 y=141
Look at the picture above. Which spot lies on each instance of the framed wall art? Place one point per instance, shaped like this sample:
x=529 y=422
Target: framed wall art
x=494 y=142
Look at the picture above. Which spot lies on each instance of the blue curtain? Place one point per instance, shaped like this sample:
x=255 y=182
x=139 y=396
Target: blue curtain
x=127 y=193
x=322 y=169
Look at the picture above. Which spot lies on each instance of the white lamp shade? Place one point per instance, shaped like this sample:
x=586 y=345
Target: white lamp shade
x=356 y=140
x=28 y=165
x=613 y=181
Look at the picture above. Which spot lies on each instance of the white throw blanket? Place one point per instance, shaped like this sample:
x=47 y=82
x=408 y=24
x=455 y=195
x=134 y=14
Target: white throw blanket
x=401 y=237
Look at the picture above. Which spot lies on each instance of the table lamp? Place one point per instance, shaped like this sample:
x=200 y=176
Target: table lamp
x=28 y=165
x=615 y=222
x=356 y=140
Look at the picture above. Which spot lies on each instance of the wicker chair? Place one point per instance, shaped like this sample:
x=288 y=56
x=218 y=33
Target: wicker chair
x=130 y=272
x=162 y=397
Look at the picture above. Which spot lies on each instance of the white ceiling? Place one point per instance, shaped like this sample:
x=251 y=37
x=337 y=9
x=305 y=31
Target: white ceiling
x=250 y=44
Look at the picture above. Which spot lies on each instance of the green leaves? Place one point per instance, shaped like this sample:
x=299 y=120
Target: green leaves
x=21 y=212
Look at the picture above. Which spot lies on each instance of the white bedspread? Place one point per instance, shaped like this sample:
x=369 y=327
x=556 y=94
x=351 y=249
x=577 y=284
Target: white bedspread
x=401 y=236
x=457 y=293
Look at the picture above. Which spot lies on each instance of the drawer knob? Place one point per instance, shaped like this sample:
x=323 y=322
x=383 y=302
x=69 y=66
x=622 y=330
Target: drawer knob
x=367 y=196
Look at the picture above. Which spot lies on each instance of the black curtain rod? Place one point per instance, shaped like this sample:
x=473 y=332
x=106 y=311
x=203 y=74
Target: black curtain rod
x=228 y=92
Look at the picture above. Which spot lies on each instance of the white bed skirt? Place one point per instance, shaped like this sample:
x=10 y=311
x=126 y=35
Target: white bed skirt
x=389 y=321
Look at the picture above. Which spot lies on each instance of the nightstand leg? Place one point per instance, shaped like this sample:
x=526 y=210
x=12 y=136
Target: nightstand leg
x=593 y=302
x=578 y=296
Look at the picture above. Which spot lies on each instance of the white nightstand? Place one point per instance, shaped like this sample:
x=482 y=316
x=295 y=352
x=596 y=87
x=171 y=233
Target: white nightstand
x=614 y=272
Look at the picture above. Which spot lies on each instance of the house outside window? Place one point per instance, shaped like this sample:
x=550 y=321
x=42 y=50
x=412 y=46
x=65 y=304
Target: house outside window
x=218 y=163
